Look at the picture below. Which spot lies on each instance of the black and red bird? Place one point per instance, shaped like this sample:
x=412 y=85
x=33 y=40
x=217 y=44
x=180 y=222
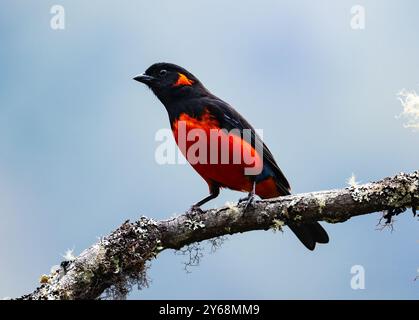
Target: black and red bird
x=188 y=101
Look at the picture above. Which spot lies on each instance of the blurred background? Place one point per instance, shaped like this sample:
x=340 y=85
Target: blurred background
x=77 y=135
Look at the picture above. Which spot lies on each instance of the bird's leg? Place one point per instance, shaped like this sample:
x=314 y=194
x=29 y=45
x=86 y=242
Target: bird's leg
x=214 y=192
x=250 y=197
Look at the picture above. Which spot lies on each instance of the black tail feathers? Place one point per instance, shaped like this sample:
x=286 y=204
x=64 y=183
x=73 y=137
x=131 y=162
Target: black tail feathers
x=310 y=234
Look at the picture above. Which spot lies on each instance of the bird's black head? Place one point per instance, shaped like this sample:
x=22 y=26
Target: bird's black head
x=170 y=82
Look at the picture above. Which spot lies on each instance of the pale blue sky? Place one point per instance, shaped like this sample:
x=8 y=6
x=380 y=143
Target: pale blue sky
x=77 y=135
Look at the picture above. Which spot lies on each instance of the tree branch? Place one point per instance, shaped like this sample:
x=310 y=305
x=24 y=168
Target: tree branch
x=120 y=260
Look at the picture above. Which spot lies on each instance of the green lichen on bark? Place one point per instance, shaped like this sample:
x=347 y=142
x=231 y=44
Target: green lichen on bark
x=194 y=224
x=277 y=225
x=120 y=260
x=394 y=192
x=321 y=201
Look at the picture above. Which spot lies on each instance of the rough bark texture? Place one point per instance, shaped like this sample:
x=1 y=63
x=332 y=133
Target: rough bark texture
x=120 y=260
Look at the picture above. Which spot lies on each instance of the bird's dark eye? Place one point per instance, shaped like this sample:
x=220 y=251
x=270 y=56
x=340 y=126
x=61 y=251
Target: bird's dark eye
x=163 y=72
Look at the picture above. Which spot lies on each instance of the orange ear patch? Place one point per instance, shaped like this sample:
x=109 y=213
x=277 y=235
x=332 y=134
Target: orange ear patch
x=183 y=81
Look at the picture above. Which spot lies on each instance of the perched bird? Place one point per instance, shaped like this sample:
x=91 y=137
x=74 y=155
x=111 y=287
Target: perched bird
x=190 y=104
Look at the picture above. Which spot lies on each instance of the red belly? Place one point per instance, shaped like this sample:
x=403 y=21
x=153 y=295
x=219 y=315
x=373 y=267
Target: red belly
x=217 y=163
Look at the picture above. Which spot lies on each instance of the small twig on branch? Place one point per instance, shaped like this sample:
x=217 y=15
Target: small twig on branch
x=120 y=260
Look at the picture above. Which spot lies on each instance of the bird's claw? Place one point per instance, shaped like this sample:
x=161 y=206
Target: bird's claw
x=249 y=200
x=194 y=210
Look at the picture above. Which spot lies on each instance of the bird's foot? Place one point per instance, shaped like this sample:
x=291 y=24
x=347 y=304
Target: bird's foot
x=248 y=201
x=194 y=210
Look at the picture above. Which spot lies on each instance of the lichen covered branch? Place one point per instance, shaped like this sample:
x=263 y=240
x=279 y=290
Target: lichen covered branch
x=120 y=260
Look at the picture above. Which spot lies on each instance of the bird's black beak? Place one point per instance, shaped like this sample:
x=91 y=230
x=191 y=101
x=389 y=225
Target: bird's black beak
x=146 y=79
